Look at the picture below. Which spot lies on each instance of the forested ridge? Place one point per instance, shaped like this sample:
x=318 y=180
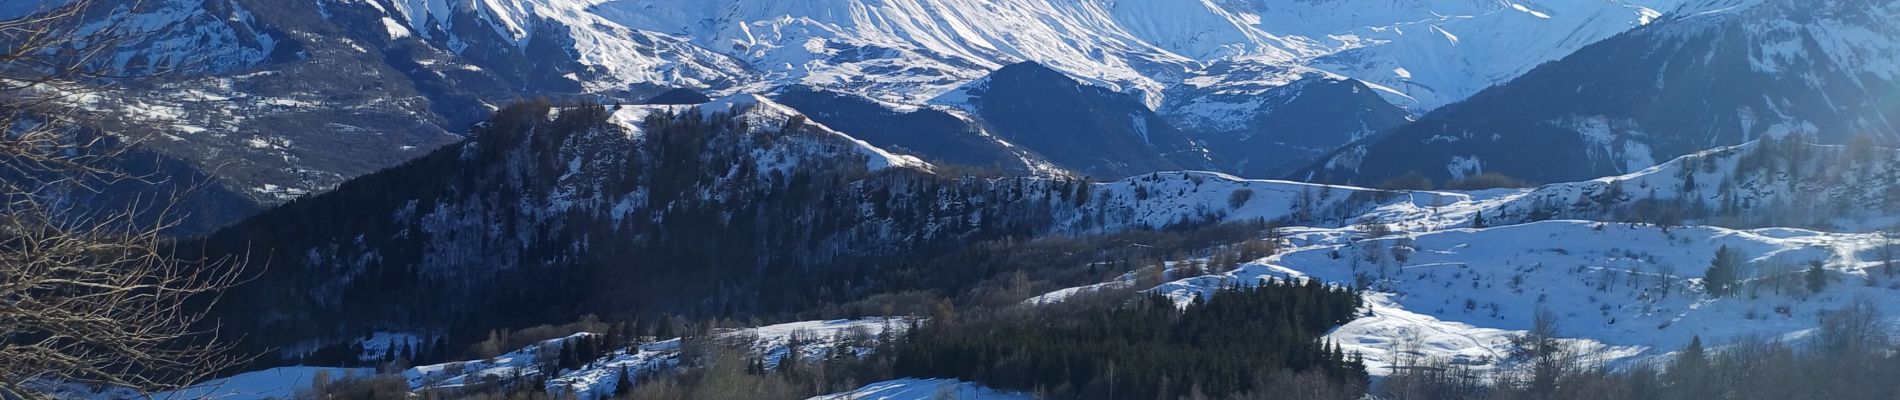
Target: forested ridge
x=552 y=212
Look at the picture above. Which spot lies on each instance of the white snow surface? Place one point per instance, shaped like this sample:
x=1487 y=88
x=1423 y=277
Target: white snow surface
x=1605 y=280
x=274 y=383
x=924 y=389
x=1190 y=196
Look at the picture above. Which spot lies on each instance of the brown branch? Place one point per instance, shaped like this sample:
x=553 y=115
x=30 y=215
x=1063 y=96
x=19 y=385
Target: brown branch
x=88 y=296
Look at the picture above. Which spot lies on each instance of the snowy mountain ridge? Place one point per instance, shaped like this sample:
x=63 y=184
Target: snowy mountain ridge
x=348 y=87
x=909 y=51
x=1727 y=71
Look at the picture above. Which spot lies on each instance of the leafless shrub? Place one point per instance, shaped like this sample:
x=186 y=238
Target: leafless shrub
x=87 y=296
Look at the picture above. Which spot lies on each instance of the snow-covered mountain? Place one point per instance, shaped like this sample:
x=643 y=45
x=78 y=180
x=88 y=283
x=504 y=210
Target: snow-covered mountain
x=186 y=36
x=913 y=49
x=1281 y=125
x=566 y=39
x=1203 y=63
x=777 y=159
x=352 y=86
x=1728 y=72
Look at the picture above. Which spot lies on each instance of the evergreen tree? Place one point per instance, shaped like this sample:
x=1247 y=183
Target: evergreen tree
x=623 y=386
x=1817 y=277
x=567 y=359
x=440 y=351
x=1689 y=375
x=1720 y=278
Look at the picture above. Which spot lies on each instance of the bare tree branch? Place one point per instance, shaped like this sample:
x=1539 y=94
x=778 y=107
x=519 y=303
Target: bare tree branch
x=87 y=296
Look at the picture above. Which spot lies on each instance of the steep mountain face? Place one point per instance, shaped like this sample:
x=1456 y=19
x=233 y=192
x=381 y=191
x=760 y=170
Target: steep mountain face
x=1440 y=52
x=186 y=36
x=1295 y=122
x=1722 y=74
x=272 y=102
x=941 y=135
x=1085 y=128
x=905 y=50
x=157 y=190
x=562 y=44
x=910 y=50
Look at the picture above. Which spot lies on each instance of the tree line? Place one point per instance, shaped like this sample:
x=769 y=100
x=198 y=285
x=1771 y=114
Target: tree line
x=1235 y=342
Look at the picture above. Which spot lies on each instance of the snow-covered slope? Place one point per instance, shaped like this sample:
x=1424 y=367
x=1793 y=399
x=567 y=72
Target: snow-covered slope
x=1440 y=289
x=595 y=379
x=1440 y=52
x=814 y=340
x=1631 y=289
x=1766 y=183
x=1757 y=184
x=1164 y=199
x=274 y=383
x=924 y=389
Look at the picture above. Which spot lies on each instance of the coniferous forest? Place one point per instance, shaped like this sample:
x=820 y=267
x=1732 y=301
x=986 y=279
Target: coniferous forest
x=1248 y=342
